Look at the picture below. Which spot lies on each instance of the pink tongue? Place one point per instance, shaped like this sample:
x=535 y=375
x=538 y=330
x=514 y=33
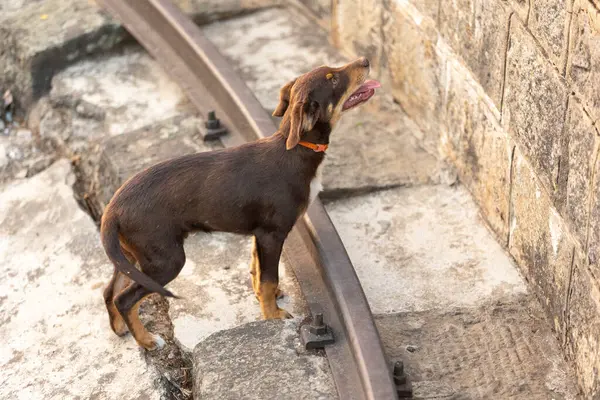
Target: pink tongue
x=370 y=84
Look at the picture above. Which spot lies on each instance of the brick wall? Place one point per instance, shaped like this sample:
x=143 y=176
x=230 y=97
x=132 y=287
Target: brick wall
x=509 y=92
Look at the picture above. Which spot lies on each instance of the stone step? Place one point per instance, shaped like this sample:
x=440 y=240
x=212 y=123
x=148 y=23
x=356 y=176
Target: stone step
x=500 y=350
x=260 y=360
x=56 y=340
x=43 y=37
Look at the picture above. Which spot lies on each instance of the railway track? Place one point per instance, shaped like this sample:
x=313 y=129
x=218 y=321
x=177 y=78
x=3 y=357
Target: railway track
x=314 y=249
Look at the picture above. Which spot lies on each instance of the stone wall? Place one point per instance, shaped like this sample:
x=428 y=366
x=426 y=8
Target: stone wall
x=508 y=91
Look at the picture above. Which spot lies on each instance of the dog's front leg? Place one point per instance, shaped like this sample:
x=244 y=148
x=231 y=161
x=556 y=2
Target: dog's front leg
x=266 y=255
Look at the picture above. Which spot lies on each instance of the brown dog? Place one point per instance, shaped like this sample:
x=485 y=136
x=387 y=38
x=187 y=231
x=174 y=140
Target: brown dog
x=260 y=189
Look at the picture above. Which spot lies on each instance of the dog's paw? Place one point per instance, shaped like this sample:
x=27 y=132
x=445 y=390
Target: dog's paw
x=280 y=313
x=157 y=343
x=119 y=328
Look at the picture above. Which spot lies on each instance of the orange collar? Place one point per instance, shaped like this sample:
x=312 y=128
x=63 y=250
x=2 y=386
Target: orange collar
x=319 y=148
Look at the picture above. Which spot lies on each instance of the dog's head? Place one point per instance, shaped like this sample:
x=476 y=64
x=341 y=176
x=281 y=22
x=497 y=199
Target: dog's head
x=320 y=96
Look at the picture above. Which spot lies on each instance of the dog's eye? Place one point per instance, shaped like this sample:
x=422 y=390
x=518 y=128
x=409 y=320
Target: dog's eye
x=334 y=80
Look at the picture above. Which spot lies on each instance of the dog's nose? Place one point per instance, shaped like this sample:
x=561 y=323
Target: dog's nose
x=364 y=61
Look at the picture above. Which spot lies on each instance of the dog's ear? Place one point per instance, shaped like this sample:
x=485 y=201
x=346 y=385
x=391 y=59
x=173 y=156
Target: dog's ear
x=284 y=99
x=304 y=117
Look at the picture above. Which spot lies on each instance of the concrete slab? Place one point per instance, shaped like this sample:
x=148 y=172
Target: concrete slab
x=215 y=284
x=56 y=341
x=123 y=91
x=428 y=245
x=496 y=351
x=372 y=147
x=44 y=37
x=22 y=155
x=107 y=96
x=260 y=360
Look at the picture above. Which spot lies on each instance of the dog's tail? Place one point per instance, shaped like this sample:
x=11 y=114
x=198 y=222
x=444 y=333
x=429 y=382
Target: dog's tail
x=110 y=240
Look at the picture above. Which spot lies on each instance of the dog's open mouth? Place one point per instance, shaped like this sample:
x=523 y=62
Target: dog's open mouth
x=362 y=94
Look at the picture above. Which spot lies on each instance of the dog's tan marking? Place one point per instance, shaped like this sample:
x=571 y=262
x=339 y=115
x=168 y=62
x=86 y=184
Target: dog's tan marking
x=267 y=297
x=138 y=330
x=254 y=267
x=255 y=271
x=116 y=321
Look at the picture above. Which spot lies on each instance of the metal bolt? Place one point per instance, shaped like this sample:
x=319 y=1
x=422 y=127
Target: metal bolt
x=212 y=122
x=318 y=319
x=318 y=327
x=398 y=368
x=213 y=127
x=399 y=377
x=317 y=334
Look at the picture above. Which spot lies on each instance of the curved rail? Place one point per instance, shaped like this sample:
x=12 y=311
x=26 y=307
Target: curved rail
x=314 y=249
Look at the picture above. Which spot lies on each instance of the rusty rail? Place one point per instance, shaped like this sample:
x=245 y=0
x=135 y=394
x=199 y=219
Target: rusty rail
x=313 y=249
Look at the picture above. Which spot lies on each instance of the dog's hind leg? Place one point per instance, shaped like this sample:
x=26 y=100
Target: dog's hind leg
x=117 y=284
x=268 y=248
x=163 y=266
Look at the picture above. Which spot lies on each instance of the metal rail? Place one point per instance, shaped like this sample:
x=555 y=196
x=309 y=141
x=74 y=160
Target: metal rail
x=314 y=249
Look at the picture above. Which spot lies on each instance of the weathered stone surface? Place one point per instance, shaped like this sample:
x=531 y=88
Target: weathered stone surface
x=582 y=69
x=521 y=7
x=593 y=246
x=56 y=340
x=502 y=350
x=205 y=11
x=271 y=47
x=321 y=8
x=10 y=6
x=549 y=23
x=374 y=147
x=371 y=147
x=477 y=31
x=23 y=155
x=474 y=141
x=356 y=29
x=429 y=8
x=535 y=108
x=415 y=67
x=260 y=360
x=216 y=289
x=583 y=144
x=583 y=327
x=125 y=91
x=109 y=95
x=539 y=240
x=43 y=37
x=429 y=247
